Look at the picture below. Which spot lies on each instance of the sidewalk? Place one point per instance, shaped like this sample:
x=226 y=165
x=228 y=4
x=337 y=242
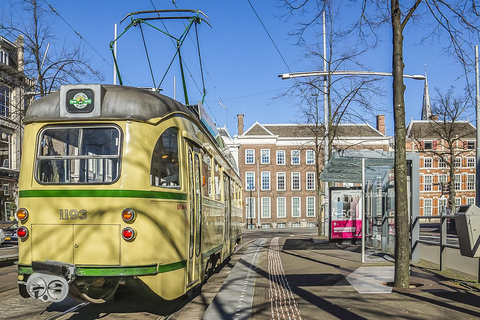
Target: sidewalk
x=308 y=278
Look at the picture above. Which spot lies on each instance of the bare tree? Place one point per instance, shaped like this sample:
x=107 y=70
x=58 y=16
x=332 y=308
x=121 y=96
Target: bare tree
x=458 y=20
x=49 y=67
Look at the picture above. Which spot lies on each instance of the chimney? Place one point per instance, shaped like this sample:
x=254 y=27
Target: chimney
x=381 y=123
x=20 y=54
x=240 y=124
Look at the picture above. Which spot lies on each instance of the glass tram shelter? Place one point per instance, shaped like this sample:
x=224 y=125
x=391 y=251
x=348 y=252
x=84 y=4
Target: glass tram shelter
x=363 y=207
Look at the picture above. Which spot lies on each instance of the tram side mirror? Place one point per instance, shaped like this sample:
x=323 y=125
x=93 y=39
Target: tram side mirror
x=467 y=221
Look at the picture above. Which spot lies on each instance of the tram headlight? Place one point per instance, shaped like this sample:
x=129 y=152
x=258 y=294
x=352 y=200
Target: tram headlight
x=22 y=232
x=128 y=215
x=22 y=214
x=128 y=234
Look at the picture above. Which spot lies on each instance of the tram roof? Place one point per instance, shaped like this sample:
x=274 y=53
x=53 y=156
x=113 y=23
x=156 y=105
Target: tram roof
x=114 y=102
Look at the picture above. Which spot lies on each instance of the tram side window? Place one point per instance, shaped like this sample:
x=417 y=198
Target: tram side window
x=164 y=170
x=218 y=191
x=207 y=176
x=78 y=155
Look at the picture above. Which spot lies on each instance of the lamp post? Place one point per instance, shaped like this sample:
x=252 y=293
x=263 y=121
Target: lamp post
x=251 y=207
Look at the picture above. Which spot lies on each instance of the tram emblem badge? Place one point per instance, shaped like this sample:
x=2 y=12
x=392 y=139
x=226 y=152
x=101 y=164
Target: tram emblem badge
x=80 y=100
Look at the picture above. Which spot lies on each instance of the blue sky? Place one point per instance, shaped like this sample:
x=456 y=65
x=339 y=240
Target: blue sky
x=241 y=65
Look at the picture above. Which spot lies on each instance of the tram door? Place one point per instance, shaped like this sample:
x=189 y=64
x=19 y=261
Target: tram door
x=195 y=212
x=228 y=215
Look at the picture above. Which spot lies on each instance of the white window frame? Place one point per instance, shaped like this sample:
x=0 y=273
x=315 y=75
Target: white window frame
x=470 y=200
x=470 y=182
x=310 y=157
x=471 y=162
x=442 y=206
x=247 y=185
x=282 y=213
x=310 y=207
x=458 y=162
x=427 y=207
x=458 y=182
x=442 y=163
x=265 y=156
x=249 y=207
x=294 y=158
x=299 y=207
x=284 y=175
x=427 y=182
x=252 y=156
x=296 y=174
x=307 y=181
x=266 y=206
x=283 y=158
x=265 y=179
x=428 y=162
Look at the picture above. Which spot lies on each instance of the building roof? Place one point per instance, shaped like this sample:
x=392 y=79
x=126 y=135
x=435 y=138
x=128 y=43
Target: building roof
x=436 y=129
x=307 y=130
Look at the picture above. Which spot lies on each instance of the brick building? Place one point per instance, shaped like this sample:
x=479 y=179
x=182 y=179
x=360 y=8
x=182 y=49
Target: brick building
x=278 y=166
x=424 y=137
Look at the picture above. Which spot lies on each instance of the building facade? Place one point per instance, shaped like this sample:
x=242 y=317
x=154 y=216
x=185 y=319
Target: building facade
x=13 y=88
x=427 y=137
x=278 y=165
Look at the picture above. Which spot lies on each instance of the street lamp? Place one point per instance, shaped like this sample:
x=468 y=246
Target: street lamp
x=251 y=207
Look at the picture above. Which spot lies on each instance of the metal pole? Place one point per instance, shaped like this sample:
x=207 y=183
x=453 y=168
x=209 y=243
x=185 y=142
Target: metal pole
x=258 y=192
x=115 y=54
x=363 y=210
x=326 y=197
x=477 y=171
x=251 y=209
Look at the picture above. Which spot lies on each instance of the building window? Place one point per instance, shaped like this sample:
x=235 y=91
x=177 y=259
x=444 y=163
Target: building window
x=295 y=156
x=265 y=156
x=471 y=162
x=442 y=163
x=281 y=207
x=281 y=157
x=250 y=180
x=470 y=145
x=310 y=180
x=250 y=208
x=266 y=212
x=442 y=178
x=295 y=207
x=310 y=206
x=428 y=145
x=295 y=180
x=458 y=182
x=249 y=156
x=427 y=207
x=470 y=200
x=442 y=206
x=280 y=181
x=4 y=101
x=427 y=162
x=265 y=180
x=427 y=183
x=458 y=162
x=458 y=202
x=471 y=182
x=310 y=157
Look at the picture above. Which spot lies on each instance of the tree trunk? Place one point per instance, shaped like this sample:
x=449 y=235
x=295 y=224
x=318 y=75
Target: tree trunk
x=402 y=230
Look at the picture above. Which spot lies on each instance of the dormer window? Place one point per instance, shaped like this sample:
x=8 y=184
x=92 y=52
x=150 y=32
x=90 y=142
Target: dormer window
x=428 y=145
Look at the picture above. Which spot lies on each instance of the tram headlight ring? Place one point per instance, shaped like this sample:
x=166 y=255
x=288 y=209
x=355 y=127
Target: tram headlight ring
x=128 y=215
x=22 y=214
x=128 y=234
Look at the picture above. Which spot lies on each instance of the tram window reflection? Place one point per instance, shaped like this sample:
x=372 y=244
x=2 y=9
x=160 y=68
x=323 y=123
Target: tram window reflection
x=78 y=155
x=164 y=170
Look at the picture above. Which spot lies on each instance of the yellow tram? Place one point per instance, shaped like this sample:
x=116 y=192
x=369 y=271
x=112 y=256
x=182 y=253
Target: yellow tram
x=121 y=185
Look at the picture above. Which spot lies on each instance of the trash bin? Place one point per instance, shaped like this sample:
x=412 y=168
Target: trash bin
x=467 y=220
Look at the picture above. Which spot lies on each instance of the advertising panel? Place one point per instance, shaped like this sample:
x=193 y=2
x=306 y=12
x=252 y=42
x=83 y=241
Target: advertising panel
x=346 y=213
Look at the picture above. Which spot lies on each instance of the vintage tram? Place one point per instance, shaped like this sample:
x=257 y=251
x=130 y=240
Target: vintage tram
x=121 y=185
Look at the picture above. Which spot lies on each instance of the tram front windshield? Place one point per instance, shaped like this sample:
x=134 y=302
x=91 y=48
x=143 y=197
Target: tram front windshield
x=78 y=155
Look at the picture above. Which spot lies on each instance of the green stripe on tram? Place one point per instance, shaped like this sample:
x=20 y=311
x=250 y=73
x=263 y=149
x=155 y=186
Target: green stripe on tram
x=102 y=194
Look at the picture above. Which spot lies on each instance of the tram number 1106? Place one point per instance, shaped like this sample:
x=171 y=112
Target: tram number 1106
x=73 y=214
